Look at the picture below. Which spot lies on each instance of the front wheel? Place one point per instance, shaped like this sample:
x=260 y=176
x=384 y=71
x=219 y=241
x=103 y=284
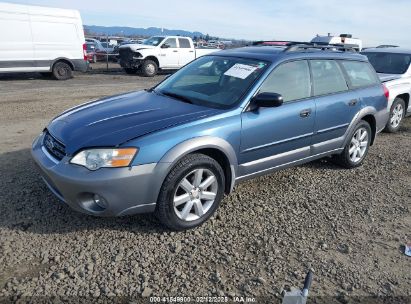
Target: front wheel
x=191 y=192
x=397 y=112
x=149 y=68
x=357 y=146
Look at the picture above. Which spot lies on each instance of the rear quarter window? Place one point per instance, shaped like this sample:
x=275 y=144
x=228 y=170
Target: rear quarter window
x=360 y=74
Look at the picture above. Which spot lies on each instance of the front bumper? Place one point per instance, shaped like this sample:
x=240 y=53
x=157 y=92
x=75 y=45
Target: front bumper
x=126 y=191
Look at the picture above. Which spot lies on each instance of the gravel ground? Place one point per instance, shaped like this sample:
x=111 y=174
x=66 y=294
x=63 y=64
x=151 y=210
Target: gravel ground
x=348 y=226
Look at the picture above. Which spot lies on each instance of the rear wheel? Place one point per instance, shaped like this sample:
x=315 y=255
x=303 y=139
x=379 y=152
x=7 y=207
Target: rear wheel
x=397 y=113
x=62 y=71
x=149 y=68
x=357 y=147
x=191 y=192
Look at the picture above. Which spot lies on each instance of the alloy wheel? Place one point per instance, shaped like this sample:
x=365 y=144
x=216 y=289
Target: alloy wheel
x=358 y=145
x=195 y=194
x=396 y=116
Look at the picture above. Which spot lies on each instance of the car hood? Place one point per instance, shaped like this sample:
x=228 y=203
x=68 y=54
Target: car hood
x=115 y=120
x=136 y=47
x=387 y=77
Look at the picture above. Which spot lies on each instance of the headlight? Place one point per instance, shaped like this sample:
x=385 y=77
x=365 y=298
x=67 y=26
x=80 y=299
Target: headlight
x=94 y=159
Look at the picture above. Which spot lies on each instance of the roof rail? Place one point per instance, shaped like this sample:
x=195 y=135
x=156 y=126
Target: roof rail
x=292 y=47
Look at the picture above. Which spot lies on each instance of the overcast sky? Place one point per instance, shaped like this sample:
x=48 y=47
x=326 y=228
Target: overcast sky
x=374 y=21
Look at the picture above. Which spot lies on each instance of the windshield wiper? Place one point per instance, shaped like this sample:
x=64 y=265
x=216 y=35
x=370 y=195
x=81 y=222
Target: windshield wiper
x=177 y=96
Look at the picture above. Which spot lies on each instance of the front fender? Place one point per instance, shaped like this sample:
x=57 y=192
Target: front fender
x=198 y=143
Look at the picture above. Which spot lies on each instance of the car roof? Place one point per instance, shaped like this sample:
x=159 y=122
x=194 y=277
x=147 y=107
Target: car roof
x=396 y=50
x=278 y=53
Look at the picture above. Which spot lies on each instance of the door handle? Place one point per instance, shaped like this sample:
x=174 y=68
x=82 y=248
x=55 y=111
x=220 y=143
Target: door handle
x=175 y=51
x=305 y=113
x=353 y=102
x=191 y=51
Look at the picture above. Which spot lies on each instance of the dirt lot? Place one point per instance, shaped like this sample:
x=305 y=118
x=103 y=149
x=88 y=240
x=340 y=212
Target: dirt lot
x=349 y=226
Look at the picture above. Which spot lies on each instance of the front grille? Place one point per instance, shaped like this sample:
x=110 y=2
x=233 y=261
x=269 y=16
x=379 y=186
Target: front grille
x=125 y=54
x=54 y=147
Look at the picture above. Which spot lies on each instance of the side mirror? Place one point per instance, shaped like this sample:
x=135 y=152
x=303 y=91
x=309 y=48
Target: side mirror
x=165 y=46
x=268 y=100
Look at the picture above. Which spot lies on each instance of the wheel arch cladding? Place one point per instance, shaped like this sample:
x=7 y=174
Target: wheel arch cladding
x=371 y=121
x=216 y=148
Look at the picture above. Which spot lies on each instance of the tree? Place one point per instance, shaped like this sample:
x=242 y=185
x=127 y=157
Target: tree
x=207 y=37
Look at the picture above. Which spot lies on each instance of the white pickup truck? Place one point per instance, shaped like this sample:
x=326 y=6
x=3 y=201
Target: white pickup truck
x=159 y=52
x=393 y=65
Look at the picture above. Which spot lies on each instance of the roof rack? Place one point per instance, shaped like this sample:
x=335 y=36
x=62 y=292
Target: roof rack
x=297 y=46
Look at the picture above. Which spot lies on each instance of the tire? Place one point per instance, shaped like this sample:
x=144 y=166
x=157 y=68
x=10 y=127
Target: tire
x=397 y=113
x=194 y=207
x=149 y=68
x=62 y=71
x=130 y=70
x=347 y=158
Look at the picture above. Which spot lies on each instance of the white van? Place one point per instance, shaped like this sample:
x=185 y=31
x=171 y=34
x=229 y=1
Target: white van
x=346 y=39
x=41 y=39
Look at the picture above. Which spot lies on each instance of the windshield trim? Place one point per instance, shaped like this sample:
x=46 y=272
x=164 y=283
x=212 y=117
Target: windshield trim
x=216 y=105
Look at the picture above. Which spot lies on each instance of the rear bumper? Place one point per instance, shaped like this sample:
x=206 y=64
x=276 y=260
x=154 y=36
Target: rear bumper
x=125 y=191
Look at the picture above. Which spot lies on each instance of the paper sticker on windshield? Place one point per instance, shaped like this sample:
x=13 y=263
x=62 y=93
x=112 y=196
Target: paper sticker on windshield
x=240 y=70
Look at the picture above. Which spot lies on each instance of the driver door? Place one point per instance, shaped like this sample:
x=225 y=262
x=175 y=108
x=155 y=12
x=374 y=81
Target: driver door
x=271 y=137
x=169 y=55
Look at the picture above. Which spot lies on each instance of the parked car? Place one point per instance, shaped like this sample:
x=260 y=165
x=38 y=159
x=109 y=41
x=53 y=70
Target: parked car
x=394 y=69
x=41 y=39
x=91 y=52
x=176 y=148
x=159 y=52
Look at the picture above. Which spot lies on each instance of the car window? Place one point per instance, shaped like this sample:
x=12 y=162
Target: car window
x=291 y=80
x=172 y=42
x=360 y=73
x=184 y=43
x=327 y=77
x=389 y=63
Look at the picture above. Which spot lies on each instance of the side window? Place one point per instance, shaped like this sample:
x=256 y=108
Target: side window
x=360 y=73
x=184 y=43
x=327 y=77
x=172 y=42
x=291 y=80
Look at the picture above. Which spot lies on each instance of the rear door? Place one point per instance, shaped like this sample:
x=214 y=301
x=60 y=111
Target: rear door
x=185 y=51
x=271 y=137
x=169 y=56
x=336 y=105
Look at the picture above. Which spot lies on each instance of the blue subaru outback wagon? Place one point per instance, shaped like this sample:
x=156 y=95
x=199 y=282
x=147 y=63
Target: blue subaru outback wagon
x=175 y=149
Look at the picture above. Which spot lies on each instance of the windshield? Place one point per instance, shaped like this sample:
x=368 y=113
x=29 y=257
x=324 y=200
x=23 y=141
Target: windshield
x=213 y=81
x=389 y=63
x=153 y=41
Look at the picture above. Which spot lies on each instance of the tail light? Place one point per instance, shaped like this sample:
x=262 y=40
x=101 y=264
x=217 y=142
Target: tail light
x=386 y=91
x=84 y=51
